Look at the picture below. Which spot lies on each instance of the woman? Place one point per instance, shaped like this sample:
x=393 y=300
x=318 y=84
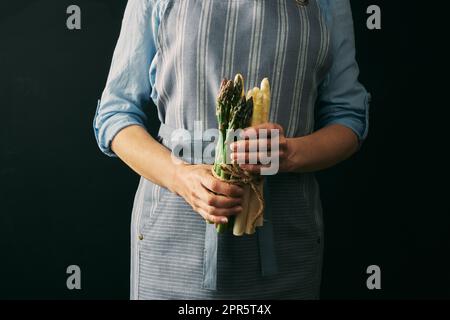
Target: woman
x=176 y=53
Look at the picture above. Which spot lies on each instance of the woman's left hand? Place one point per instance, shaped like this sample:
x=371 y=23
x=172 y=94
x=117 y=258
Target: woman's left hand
x=278 y=149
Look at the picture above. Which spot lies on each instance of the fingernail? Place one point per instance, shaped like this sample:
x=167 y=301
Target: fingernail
x=247 y=130
x=224 y=220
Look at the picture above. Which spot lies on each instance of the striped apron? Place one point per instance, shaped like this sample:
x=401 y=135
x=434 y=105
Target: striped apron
x=174 y=252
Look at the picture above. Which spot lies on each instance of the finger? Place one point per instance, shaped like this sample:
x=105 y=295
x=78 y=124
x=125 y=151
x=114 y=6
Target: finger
x=211 y=218
x=255 y=157
x=265 y=157
x=251 y=145
x=220 y=187
x=219 y=212
x=245 y=157
x=267 y=126
x=217 y=201
x=253 y=168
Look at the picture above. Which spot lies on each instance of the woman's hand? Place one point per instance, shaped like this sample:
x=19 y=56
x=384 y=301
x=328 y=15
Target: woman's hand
x=213 y=199
x=278 y=149
x=317 y=151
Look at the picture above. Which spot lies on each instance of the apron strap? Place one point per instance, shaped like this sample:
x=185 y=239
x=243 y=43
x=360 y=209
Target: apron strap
x=210 y=258
x=265 y=233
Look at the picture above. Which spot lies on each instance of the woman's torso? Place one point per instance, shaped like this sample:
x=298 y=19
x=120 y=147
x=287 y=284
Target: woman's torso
x=199 y=43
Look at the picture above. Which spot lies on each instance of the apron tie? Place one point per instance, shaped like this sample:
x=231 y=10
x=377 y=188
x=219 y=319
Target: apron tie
x=265 y=233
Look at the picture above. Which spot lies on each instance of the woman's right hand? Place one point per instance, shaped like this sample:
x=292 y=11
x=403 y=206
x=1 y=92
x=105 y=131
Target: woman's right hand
x=213 y=199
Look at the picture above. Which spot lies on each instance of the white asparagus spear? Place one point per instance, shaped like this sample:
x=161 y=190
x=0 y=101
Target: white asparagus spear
x=265 y=89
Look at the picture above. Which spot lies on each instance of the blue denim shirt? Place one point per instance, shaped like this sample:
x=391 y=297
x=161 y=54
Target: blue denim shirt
x=341 y=100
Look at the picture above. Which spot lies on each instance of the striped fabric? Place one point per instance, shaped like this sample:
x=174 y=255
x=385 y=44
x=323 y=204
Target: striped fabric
x=199 y=43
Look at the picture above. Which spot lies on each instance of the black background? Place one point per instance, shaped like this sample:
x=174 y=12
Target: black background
x=63 y=202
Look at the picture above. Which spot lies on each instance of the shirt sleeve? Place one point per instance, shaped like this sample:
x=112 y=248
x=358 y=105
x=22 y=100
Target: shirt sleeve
x=128 y=86
x=341 y=98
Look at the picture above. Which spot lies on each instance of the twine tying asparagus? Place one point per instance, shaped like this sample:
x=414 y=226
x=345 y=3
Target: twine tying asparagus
x=238 y=177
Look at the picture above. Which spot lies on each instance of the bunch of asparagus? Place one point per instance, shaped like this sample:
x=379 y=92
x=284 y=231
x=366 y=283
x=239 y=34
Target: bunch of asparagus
x=233 y=111
x=236 y=111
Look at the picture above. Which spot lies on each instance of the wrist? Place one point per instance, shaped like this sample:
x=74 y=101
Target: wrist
x=176 y=182
x=294 y=159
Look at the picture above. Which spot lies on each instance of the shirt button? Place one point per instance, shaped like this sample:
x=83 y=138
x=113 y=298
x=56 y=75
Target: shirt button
x=141 y=237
